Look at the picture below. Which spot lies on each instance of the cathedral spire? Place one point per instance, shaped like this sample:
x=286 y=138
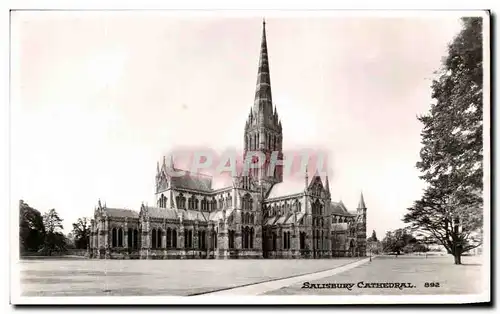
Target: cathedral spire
x=171 y=164
x=327 y=185
x=361 y=204
x=263 y=99
x=307 y=177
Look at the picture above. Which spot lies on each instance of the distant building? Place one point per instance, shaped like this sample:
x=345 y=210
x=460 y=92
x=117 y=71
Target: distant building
x=257 y=216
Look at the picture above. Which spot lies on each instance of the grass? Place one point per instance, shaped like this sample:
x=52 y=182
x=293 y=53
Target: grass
x=415 y=270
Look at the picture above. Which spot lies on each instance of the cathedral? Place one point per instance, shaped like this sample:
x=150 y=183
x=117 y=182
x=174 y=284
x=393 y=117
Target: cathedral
x=259 y=215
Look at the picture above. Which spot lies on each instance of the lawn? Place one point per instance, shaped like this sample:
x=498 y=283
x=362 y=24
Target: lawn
x=80 y=277
x=441 y=275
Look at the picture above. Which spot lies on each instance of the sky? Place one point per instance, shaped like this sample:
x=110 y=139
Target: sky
x=97 y=98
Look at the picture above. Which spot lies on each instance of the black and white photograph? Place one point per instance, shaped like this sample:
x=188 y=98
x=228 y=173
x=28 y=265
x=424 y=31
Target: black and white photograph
x=249 y=157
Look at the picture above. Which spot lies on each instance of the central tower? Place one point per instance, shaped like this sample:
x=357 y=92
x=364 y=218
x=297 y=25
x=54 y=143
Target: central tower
x=263 y=131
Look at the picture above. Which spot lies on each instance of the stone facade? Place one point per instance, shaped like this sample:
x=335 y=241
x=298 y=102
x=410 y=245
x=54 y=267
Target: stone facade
x=257 y=216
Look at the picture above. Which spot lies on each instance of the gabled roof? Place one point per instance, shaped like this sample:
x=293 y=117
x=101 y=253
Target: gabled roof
x=316 y=179
x=339 y=209
x=156 y=212
x=120 y=212
x=287 y=187
x=192 y=181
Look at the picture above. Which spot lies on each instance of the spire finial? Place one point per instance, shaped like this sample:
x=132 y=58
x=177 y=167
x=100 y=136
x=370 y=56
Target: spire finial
x=327 y=184
x=171 y=165
x=361 y=204
x=264 y=22
x=263 y=98
x=307 y=176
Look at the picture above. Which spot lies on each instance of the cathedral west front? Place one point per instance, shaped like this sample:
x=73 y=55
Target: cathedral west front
x=259 y=215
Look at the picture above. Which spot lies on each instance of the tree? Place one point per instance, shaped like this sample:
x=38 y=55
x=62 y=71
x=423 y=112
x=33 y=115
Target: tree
x=52 y=222
x=397 y=240
x=81 y=232
x=374 y=236
x=31 y=228
x=451 y=158
x=55 y=241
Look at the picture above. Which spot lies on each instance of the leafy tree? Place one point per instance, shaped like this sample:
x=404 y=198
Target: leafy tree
x=55 y=241
x=374 y=236
x=52 y=221
x=81 y=233
x=397 y=240
x=420 y=247
x=451 y=208
x=31 y=228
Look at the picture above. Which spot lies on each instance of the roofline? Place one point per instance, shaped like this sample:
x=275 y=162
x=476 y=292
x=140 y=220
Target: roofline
x=285 y=197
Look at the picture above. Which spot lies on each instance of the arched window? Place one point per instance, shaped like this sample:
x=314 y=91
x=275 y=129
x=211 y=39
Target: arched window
x=130 y=237
x=169 y=238
x=174 y=238
x=181 y=202
x=136 y=238
x=113 y=237
x=317 y=239
x=203 y=240
x=159 y=238
x=196 y=202
x=153 y=238
x=251 y=237
x=214 y=239
x=250 y=204
x=231 y=239
x=285 y=240
x=190 y=243
x=243 y=238
x=246 y=238
x=188 y=238
x=120 y=237
x=162 y=202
